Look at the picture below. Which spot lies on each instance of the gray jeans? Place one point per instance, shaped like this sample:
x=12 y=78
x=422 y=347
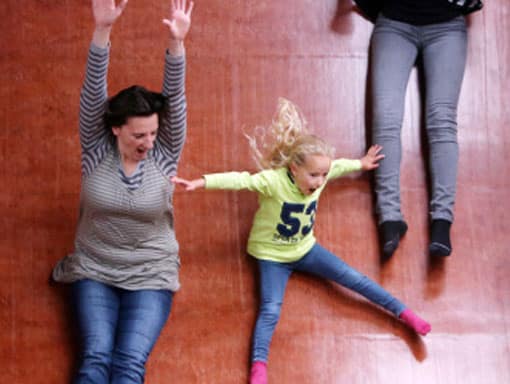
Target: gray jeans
x=394 y=49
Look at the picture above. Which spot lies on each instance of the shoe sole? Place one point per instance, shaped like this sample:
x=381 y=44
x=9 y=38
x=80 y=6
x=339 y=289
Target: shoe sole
x=438 y=249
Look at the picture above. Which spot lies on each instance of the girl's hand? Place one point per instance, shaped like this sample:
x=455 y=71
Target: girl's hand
x=371 y=159
x=190 y=185
x=106 y=12
x=180 y=19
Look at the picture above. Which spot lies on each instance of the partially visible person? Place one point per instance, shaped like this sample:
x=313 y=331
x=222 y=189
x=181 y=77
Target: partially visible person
x=435 y=31
x=297 y=167
x=124 y=269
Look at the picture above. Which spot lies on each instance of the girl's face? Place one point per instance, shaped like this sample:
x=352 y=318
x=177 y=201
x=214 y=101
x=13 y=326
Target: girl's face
x=136 y=137
x=312 y=174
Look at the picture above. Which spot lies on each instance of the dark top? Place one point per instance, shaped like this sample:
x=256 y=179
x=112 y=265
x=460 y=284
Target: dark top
x=420 y=12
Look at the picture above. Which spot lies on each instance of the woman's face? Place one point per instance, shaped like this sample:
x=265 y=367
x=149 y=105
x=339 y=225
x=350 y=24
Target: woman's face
x=312 y=174
x=136 y=137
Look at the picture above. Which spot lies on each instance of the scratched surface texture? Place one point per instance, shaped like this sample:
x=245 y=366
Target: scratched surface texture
x=243 y=55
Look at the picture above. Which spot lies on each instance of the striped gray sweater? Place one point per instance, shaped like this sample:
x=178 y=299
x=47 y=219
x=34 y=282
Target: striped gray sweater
x=125 y=234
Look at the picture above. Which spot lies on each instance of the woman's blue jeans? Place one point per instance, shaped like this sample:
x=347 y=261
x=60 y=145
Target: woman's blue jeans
x=395 y=47
x=320 y=262
x=118 y=329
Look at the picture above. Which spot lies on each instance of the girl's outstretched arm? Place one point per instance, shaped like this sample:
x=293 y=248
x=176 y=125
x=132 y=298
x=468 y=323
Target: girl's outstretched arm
x=371 y=159
x=262 y=182
x=190 y=185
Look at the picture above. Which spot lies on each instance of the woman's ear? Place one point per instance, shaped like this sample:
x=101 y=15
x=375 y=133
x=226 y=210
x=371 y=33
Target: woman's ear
x=116 y=130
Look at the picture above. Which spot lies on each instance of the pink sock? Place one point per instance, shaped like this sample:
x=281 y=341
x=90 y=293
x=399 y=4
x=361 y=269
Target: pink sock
x=258 y=374
x=415 y=322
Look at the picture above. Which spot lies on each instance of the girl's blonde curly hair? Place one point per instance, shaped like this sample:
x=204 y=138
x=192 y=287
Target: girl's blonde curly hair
x=287 y=140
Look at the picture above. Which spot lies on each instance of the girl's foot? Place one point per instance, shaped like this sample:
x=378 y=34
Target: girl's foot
x=258 y=373
x=415 y=322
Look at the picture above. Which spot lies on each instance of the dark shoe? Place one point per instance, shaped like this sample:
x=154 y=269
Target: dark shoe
x=440 y=238
x=391 y=232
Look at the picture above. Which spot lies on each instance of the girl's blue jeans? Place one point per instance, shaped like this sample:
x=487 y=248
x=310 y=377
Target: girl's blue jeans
x=320 y=262
x=118 y=330
x=395 y=47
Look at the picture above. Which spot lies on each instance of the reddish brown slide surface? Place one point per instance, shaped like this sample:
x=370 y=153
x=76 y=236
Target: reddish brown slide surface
x=242 y=56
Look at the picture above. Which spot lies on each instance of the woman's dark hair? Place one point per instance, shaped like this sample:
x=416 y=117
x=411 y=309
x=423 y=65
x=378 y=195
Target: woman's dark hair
x=133 y=101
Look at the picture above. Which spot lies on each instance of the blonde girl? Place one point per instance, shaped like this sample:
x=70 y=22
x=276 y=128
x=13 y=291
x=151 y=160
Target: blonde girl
x=297 y=166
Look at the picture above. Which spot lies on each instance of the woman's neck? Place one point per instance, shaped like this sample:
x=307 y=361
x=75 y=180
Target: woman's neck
x=128 y=165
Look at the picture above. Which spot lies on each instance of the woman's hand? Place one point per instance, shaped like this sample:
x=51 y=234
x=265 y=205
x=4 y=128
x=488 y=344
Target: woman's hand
x=180 y=19
x=371 y=159
x=106 y=12
x=190 y=185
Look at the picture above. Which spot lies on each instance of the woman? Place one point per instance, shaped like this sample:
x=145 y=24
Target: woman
x=124 y=269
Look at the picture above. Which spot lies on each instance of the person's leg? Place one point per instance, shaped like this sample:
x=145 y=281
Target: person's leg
x=142 y=315
x=393 y=54
x=273 y=281
x=96 y=306
x=444 y=60
x=319 y=261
